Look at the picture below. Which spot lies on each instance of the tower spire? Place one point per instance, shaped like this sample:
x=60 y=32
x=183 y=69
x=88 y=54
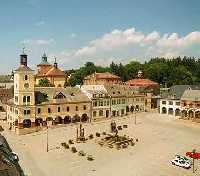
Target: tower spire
x=55 y=63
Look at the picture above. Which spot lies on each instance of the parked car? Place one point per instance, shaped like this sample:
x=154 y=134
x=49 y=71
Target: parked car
x=14 y=157
x=183 y=158
x=181 y=163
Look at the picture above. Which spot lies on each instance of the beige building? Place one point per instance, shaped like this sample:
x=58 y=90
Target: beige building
x=100 y=101
x=56 y=76
x=102 y=79
x=36 y=106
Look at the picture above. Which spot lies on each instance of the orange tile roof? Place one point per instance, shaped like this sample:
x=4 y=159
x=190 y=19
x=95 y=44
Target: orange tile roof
x=141 y=82
x=43 y=70
x=55 y=72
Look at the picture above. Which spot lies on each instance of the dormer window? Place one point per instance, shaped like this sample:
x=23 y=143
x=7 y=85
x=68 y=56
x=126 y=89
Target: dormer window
x=60 y=96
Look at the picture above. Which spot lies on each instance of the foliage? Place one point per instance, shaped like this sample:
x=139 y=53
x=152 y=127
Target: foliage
x=45 y=83
x=166 y=72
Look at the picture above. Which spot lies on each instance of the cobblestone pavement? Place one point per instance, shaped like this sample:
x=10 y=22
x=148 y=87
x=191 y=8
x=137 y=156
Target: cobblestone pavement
x=160 y=138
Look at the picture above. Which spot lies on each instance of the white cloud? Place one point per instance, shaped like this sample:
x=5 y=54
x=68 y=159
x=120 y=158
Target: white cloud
x=131 y=43
x=39 y=23
x=38 y=41
x=151 y=44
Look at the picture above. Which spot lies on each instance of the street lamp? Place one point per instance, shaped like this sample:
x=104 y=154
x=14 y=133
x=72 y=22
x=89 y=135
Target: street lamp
x=47 y=139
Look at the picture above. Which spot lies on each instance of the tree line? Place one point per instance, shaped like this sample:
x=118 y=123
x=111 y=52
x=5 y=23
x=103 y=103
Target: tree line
x=167 y=72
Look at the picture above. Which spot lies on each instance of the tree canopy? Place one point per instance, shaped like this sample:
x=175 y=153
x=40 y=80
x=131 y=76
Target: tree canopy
x=45 y=83
x=166 y=72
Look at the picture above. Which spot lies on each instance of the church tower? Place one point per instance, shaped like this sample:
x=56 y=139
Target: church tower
x=24 y=82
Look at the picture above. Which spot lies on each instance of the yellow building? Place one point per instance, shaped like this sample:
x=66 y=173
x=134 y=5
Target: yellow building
x=32 y=107
x=56 y=76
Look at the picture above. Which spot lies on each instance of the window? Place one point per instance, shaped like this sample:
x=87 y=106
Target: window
x=16 y=99
x=39 y=110
x=26 y=77
x=108 y=103
x=58 y=109
x=94 y=95
x=163 y=102
x=49 y=110
x=95 y=103
x=16 y=111
x=123 y=101
x=101 y=103
x=24 y=99
x=28 y=99
x=177 y=103
x=76 y=108
x=101 y=113
x=84 y=107
x=27 y=111
x=170 y=102
x=94 y=114
x=67 y=108
x=185 y=104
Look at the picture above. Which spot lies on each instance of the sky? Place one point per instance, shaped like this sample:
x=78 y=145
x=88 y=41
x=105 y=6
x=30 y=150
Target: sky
x=101 y=31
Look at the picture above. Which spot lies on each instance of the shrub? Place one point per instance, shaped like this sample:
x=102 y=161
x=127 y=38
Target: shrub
x=91 y=136
x=70 y=141
x=98 y=134
x=73 y=149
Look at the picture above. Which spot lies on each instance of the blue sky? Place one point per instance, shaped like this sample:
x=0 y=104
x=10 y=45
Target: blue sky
x=76 y=31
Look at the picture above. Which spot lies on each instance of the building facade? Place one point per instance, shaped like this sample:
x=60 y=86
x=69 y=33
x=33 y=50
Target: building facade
x=36 y=106
x=190 y=105
x=33 y=107
x=170 y=102
x=102 y=79
x=55 y=76
x=100 y=101
x=149 y=87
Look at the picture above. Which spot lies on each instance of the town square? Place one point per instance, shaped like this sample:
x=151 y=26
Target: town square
x=100 y=88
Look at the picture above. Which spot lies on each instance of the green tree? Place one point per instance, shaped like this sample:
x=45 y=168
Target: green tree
x=45 y=83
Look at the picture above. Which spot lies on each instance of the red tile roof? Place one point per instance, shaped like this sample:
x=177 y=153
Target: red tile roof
x=141 y=82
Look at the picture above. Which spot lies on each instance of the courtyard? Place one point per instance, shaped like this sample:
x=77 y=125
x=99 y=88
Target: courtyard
x=160 y=137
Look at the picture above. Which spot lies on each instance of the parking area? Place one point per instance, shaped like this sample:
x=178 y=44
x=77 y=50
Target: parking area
x=160 y=138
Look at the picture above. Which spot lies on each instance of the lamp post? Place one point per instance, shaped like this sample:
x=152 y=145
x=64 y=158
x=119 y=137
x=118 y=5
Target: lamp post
x=47 y=138
x=193 y=151
x=135 y=117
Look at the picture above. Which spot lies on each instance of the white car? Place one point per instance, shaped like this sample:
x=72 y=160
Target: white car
x=181 y=163
x=183 y=158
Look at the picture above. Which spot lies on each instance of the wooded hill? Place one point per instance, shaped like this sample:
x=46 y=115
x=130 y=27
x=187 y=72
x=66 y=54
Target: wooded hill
x=167 y=72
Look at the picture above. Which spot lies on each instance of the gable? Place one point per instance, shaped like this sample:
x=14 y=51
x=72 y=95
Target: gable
x=59 y=95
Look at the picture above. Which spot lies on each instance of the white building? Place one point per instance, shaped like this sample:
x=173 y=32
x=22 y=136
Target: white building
x=170 y=103
x=170 y=106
